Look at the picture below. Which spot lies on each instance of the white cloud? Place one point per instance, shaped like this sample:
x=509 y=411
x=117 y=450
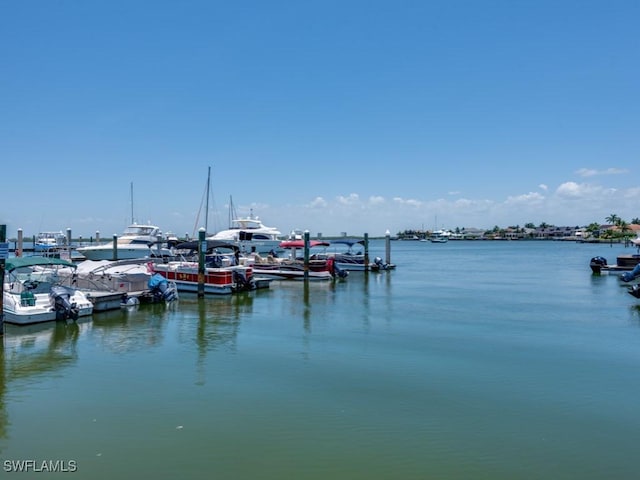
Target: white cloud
x=318 y=202
x=544 y=187
x=590 y=172
x=526 y=198
x=410 y=202
x=351 y=199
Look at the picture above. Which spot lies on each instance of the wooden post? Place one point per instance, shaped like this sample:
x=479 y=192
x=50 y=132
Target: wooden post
x=115 y=247
x=3 y=239
x=387 y=247
x=97 y=236
x=366 y=252
x=306 y=255
x=202 y=248
x=20 y=243
x=68 y=238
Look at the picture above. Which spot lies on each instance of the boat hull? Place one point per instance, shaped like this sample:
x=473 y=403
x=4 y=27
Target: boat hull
x=41 y=310
x=290 y=272
x=217 y=281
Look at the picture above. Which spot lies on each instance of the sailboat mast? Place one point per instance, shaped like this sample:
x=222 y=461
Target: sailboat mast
x=131 y=194
x=206 y=215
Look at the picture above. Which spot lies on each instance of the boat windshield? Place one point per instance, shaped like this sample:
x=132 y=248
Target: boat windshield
x=139 y=230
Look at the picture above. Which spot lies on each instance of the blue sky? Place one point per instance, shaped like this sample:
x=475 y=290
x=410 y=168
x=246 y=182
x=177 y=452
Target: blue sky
x=331 y=116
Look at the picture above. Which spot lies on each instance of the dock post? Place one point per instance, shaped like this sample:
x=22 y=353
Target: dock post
x=20 y=243
x=115 y=246
x=69 y=237
x=306 y=255
x=202 y=248
x=366 y=252
x=3 y=256
x=97 y=236
x=387 y=247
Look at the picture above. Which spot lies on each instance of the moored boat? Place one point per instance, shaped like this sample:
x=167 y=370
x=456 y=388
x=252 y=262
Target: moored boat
x=347 y=259
x=319 y=266
x=250 y=235
x=49 y=242
x=112 y=284
x=223 y=273
x=136 y=241
x=439 y=236
x=624 y=263
x=32 y=292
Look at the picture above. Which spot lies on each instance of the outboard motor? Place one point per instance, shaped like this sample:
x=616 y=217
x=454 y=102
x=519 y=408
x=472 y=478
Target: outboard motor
x=632 y=275
x=379 y=264
x=335 y=270
x=161 y=289
x=242 y=283
x=61 y=298
x=635 y=291
x=597 y=263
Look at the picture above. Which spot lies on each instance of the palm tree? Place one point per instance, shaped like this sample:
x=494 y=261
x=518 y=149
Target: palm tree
x=613 y=219
x=624 y=229
x=635 y=221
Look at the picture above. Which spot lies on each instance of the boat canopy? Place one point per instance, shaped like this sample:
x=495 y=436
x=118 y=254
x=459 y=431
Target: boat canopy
x=300 y=243
x=211 y=245
x=35 y=260
x=348 y=241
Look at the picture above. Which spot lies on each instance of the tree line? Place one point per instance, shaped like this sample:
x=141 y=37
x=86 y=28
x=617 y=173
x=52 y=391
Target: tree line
x=621 y=228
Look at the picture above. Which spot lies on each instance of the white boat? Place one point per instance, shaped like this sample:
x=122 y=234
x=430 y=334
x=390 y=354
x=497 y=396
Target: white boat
x=250 y=235
x=439 y=236
x=136 y=241
x=346 y=258
x=48 y=242
x=111 y=284
x=223 y=273
x=320 y=267
x=32 y=292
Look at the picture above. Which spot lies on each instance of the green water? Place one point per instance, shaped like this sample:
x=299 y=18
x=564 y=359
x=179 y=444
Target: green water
x=473 y=360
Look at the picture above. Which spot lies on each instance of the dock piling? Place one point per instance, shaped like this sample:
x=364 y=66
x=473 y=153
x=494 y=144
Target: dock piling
x=366 y=252
x=306 y=255
x=115 y=246
x=202 y=248
x=20 y=245
x=387 y=247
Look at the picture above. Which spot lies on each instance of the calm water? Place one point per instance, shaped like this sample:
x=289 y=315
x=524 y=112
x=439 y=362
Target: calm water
x=473 y=360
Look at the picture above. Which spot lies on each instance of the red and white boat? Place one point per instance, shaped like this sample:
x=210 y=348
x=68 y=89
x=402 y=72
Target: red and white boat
x=222 y=273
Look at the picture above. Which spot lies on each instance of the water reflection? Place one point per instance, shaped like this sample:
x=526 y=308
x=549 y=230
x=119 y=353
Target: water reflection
x=130 y=329
x=212 y=322
x=31 y=351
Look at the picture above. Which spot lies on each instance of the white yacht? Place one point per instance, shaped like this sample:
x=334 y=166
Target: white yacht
x=136 y=241
x=250 y=235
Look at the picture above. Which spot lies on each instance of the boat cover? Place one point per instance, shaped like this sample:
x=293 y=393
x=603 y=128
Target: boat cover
x=35 y=260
